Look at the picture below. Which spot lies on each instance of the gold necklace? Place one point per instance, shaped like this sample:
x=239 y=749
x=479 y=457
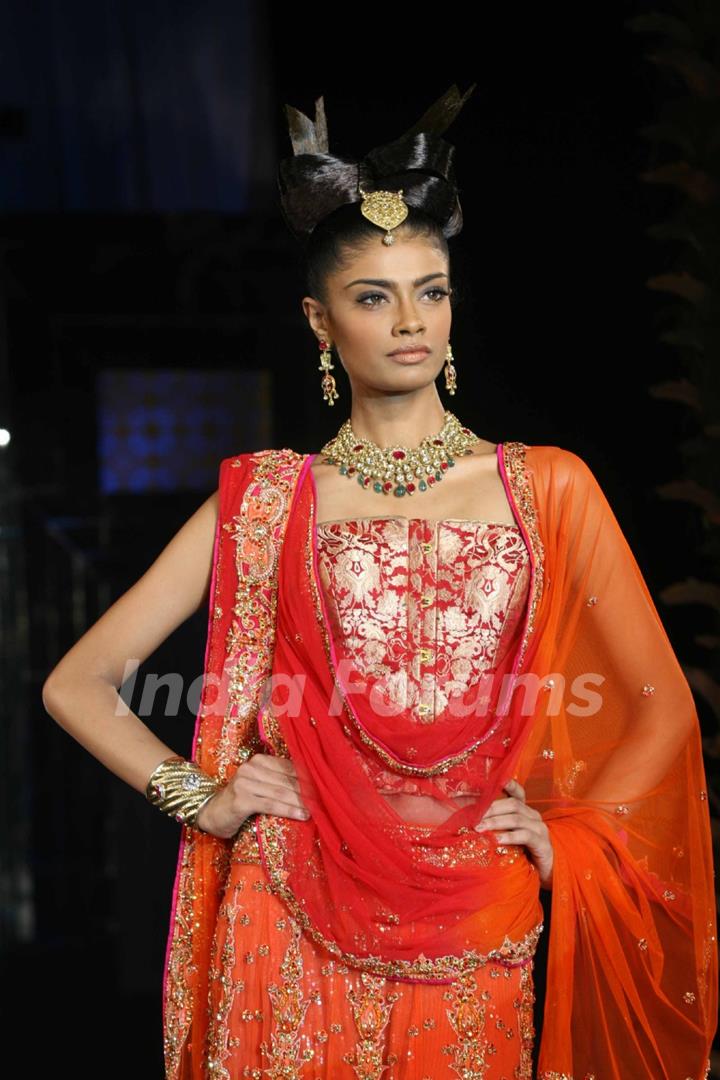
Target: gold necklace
x=402 y=470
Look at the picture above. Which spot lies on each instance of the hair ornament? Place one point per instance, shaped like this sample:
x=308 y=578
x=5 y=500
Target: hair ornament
x=416 y=169
x=386 y=209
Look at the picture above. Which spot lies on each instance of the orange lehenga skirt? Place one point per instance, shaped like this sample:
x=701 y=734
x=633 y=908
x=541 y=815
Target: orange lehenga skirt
x=282 y=1007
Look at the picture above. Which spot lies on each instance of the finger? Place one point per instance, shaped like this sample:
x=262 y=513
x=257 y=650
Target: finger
x=500 y=806
x=270 y=805
x=493 y=821
x=283 y=791
x=278 y=766
x=517 y=836
x=286 y=810
x=511 y=810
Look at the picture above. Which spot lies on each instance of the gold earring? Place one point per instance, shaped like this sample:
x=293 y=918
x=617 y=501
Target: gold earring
x=450 y=372
x=328 y=382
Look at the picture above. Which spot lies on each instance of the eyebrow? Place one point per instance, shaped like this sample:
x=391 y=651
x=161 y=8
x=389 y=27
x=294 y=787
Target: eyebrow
x=392 y=284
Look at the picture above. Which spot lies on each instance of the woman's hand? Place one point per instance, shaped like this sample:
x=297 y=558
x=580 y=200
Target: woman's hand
x=263 y=784
x=521 y=825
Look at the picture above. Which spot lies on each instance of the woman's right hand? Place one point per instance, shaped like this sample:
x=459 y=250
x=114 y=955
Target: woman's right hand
x=263 y=784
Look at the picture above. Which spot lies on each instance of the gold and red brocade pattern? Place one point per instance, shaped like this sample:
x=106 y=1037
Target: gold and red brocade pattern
x=423 y=606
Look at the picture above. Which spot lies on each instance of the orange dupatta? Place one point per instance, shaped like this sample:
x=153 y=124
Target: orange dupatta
x=632 y=961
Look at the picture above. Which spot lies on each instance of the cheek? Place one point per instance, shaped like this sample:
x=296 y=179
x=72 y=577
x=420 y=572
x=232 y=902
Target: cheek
x=364 y=329
x=441 y=317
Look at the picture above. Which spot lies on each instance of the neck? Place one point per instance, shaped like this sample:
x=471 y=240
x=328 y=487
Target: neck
x=391 y=422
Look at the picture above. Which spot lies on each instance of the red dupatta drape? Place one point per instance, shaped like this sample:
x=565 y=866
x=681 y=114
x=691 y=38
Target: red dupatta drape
x=601 y=729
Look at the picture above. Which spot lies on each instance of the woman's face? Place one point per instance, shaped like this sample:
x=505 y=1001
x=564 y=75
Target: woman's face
x=387 y=297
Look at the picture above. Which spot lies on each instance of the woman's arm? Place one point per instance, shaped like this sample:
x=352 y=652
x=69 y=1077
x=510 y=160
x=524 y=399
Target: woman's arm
x=81 y=692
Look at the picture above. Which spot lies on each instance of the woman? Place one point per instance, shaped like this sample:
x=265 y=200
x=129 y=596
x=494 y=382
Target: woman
x=414 y=718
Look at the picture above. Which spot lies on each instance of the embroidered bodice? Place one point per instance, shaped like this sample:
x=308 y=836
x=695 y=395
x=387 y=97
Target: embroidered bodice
x=427 y=605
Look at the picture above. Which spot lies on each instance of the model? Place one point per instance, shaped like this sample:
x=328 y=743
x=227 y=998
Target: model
x=435 y=683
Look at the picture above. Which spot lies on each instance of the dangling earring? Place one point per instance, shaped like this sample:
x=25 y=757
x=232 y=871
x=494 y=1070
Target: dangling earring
x=328 y=382
x=450 y=373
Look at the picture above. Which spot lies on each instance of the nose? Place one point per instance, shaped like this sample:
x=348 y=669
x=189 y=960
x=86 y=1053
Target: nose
x=409 y=320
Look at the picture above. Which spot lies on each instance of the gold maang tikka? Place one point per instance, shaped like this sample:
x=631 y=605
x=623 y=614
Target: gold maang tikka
x=386 y=209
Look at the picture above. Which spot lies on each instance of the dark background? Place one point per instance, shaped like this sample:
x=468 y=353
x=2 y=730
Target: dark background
x=140 y=231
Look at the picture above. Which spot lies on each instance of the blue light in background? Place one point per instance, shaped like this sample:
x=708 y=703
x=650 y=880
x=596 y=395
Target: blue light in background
x=165 y=430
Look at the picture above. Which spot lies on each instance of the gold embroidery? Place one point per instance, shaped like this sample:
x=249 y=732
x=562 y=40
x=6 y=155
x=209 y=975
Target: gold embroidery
x=286 y=1059
x=513 y=455
x=257 y=531
x=245 y=844
x=178 y=1005
x=272 y=830
x=563 y=1076
x=525 y=1006
x=467 y=1016
x=218 y=1049
x=239 y=638
x=371 y=1011
x=567 y=786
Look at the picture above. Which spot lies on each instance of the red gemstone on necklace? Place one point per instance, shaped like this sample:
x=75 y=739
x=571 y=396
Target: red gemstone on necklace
x=387 y=486
x=357 y=449
x=437 y=442
x=431 y=479
x=410 y=488
x=398 y=454
x=443 y=464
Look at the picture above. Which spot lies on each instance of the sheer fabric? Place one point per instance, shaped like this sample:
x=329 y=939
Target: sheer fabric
x=599 y=726
x=614 y=763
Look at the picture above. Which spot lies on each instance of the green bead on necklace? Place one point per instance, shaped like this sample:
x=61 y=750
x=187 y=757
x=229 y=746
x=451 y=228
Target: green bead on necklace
x=399 y=470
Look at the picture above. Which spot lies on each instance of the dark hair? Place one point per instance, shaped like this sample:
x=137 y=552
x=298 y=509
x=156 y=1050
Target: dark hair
x=321 y=192
x=345 y=231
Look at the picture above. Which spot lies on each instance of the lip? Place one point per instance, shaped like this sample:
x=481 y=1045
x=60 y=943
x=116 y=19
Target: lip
x=410 y=356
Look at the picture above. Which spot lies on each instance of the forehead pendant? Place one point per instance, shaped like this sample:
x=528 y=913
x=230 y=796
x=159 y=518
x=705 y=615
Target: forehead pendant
x=385 y=209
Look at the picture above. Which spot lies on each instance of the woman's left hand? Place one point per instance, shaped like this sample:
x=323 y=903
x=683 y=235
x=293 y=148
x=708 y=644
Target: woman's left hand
x=520 y=824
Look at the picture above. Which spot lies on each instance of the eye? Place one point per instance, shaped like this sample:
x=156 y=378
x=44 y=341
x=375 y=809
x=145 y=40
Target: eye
x=370 y=296
x=363 y=300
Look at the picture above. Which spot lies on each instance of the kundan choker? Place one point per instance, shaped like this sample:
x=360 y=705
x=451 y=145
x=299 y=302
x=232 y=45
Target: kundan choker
x=402 y=470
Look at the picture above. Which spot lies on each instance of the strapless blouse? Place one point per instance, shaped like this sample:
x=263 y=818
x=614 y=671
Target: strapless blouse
x=427 y=605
